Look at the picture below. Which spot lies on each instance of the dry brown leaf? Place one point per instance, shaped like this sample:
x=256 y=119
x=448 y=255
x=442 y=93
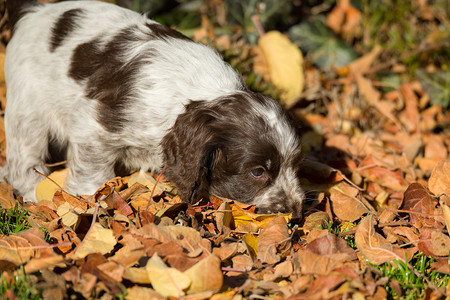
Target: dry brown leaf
x=410 y=115
x=97 y=240
x=343 y=196
x=136 y=275
x=439 y=182
x=69 y=216
x=373 y=96
x=37 y=264
x=143 y=293
x=372 y=245
x=166 y=281
x=186 y=237
x=381 y=175
x=274 y=241
x=205 y=275
x=7 y=200
x=434 y=243
x=423 y=207
x=224 y=216
x=362 y=65
x=321 y=287
x=226 y=250
x=332 y=246
x=435 y=148
x=316 y=264
x=344 y=18
x=15 y=249
x=316 y=220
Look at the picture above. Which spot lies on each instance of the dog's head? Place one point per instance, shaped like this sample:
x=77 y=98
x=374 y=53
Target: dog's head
x=239 y=146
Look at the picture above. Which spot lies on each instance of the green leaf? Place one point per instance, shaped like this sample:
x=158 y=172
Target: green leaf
x=322 y=46
x=436 y=85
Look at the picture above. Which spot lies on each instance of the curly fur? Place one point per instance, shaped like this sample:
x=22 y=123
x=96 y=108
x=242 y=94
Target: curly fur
x=113 y=87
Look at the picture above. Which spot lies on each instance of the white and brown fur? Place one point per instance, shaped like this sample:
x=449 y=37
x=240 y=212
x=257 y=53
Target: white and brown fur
x=113 y=87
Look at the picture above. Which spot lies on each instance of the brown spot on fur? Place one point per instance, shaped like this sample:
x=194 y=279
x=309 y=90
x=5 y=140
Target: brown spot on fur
x=109 y=78
x=163 y=32
x=17 y=9
x=65 y=24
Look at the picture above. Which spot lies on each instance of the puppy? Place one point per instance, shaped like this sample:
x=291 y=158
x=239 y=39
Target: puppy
x=113 y=87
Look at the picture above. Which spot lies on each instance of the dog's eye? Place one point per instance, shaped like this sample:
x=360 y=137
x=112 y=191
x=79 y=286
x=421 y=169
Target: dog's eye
x=258 y=172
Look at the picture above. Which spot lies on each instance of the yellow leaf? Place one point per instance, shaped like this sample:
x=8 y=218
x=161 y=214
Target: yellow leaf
x=285 y=62
x=169 y=282
x=242 y=217
x=205 y=275
x=46 y=188
x=251 y=242
x=143 y=178
x=98 y=239
x=70 y=216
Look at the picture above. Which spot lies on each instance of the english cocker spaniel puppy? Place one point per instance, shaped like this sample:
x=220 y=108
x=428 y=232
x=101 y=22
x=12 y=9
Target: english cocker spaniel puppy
x=112 y=87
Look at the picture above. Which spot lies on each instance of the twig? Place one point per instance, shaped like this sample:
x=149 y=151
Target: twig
x=243 y=270
x=42 y=174
x=79 y=198
x=156 y=183
x=60 y=163
x=257 y=22
x=349 y=181
x=44 y=246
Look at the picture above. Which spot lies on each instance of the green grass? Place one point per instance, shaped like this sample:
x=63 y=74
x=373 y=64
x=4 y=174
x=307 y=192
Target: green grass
x=21 y=288
x=13 y=220
x=412 y=286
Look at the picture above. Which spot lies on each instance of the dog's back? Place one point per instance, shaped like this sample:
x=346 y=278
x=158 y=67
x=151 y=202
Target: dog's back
x=89 y=74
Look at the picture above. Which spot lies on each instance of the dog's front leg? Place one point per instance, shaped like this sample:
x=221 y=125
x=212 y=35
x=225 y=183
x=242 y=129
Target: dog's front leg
x=90 y=166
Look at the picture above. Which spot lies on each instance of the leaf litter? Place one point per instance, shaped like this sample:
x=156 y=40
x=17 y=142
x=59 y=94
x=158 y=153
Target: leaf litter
x=376 y=175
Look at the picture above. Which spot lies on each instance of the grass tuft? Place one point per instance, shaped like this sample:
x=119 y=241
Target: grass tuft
x=20 y=287
x=13 y=220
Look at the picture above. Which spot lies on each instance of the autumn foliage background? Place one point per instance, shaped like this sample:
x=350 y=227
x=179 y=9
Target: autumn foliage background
x=368 y=83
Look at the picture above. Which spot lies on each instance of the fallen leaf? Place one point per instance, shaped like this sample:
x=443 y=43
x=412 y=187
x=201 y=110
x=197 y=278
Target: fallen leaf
x=316 y=220
x=274 y=241
x=169 y=282
x=143 y=293
x=423 y=207
x=435 y=148
x=373 y=245
x=97 y=240
x=137 y=275
x=285 y=62
x=381 y=175
x=434 y=243
x=439 y=182
x=363 y=64
x=7 y=200
x=331 y=245
x=47 y=188
x=343 y=196
x=242 y=216
x=410 y=115
x=205 y=275
x=21 y=247
x=70 y=216
x=224 y=216
x=146 y=180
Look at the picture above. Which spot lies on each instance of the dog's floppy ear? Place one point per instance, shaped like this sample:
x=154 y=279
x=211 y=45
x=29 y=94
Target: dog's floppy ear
x=191 y=148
